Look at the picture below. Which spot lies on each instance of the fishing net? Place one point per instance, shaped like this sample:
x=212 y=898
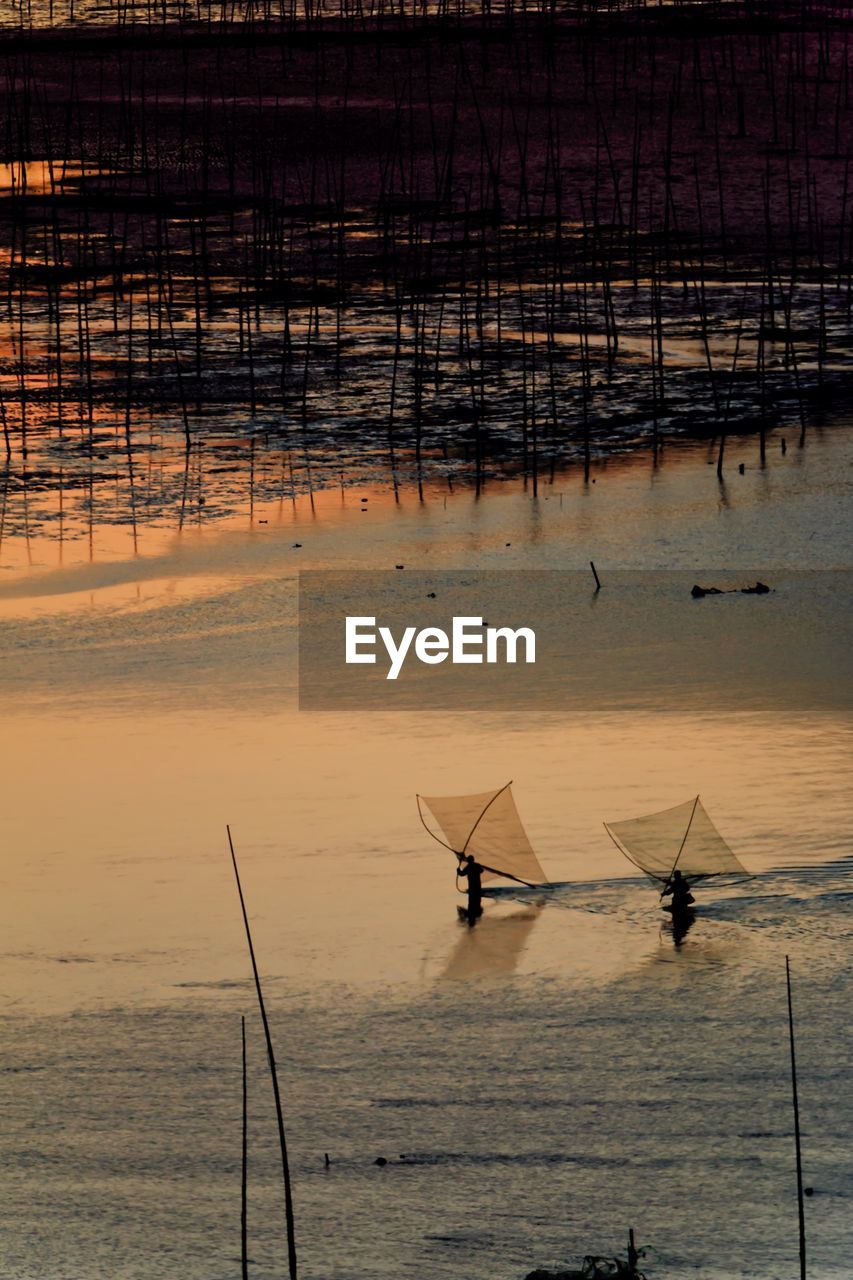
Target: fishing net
x=488 y=827
x=683 y=837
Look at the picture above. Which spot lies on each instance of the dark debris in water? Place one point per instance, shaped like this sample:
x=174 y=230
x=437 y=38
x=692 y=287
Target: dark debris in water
x=757 y=589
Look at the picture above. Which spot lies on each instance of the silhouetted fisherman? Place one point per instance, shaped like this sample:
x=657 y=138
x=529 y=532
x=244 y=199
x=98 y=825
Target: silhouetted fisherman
x=473 y=873
x=682 y=898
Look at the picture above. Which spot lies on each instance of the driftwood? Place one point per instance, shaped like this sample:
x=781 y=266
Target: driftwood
x=759 y=589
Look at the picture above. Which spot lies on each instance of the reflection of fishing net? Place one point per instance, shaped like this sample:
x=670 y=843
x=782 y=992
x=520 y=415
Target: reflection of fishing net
x=488 y=827
x=494 y=948
x=683 y=837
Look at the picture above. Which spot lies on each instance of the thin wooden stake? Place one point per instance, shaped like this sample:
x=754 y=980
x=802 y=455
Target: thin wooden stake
x=285 y=1168
x=244 y=1239
x=800 y=1203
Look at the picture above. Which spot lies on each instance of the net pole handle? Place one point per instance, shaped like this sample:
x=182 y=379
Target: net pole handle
x=681 y=847
x=507 y=876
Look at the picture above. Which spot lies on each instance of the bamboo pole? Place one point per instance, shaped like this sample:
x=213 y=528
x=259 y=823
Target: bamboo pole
x=285 y=1167
x=800 y=1203
x=244 y=1240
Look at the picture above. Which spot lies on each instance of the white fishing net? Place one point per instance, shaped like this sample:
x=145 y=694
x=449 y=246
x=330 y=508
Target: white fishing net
x=488 y=827
x=683 y=837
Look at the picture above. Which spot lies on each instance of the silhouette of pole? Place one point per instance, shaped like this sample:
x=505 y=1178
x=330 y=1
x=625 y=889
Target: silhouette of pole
x=244 y=1239
x=285 y=1168
x=800 y=1206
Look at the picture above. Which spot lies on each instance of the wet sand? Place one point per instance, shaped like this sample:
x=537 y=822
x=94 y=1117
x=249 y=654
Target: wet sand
x=280 y=260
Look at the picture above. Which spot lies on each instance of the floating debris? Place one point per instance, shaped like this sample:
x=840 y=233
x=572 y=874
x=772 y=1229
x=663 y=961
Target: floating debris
x=598 y=1268
x=758 y=589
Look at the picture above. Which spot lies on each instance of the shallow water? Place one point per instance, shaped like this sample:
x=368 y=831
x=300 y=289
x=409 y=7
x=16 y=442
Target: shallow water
x=538 y=1084
x=239 y=266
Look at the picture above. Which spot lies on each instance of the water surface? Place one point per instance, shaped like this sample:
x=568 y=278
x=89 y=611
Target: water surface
x=537 y=1085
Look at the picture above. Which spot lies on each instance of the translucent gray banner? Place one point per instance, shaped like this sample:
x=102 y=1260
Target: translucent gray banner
x=457 y=640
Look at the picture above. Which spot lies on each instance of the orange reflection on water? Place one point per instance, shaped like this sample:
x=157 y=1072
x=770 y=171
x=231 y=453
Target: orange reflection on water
x=118 y=886
x=35 y=177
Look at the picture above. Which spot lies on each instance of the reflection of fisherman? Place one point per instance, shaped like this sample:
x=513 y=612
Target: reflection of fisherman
x=678 y=887
x=473 y=873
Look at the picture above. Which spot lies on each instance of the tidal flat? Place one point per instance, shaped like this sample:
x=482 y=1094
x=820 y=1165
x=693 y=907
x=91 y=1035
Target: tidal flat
x=279 y=256
x=417 y=290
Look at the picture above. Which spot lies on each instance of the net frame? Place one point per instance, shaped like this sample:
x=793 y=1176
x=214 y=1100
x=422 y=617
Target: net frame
x=662 y=871
x=481 y=804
